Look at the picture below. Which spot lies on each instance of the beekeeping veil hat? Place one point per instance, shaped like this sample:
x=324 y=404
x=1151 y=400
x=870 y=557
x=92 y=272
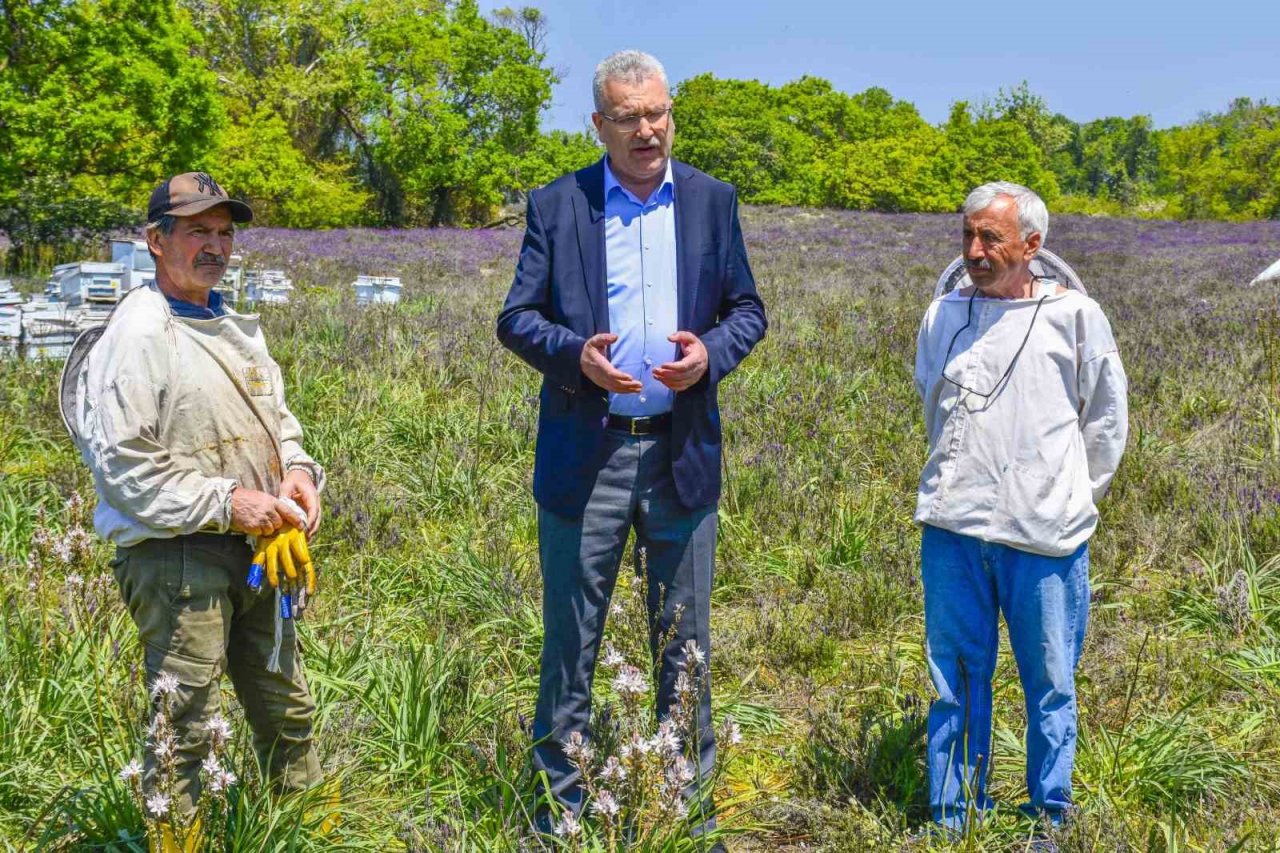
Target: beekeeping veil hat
x=1045 y=265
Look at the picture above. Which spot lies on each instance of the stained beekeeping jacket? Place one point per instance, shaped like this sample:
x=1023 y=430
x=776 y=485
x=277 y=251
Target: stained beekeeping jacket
x=172 y=413
x=1026 y=466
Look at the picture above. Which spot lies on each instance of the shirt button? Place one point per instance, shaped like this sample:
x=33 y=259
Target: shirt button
x=647 y=361
x=642 y=398
x=648 y=284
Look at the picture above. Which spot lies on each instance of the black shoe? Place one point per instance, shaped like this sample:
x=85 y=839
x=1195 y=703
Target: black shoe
x=542 y=823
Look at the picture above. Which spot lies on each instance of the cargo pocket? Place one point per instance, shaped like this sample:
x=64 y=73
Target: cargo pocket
x=191 y=672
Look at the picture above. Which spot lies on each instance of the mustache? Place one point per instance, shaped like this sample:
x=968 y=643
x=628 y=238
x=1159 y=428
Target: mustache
x=651 y=142
x=977 y=265
x=205 y=258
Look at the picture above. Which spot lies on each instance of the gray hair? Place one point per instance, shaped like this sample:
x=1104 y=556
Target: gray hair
x=164 y=225
x=1033 y=216
x=627 y=66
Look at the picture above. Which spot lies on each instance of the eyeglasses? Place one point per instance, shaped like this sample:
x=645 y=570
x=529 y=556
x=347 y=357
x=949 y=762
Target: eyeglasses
x=630 y=123
x=994 y=388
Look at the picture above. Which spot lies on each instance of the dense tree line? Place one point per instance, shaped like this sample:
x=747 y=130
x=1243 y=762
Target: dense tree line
x=805 y=143
x=320 y=112
x=426 y=112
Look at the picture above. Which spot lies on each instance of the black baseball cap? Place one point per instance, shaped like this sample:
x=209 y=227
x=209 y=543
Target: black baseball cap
x=191 y=193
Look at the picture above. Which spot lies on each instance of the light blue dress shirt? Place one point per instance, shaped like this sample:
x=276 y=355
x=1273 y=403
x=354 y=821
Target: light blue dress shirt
x=640 y=263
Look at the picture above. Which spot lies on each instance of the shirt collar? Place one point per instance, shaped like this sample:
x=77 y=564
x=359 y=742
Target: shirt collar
x=611 y=182
x=190 y=310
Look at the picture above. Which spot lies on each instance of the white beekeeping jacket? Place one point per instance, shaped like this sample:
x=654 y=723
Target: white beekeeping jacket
x=173 y=413
x=1027 y=466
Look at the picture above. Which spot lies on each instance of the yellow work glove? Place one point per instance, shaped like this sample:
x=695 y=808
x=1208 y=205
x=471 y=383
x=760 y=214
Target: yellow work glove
x=287 y=550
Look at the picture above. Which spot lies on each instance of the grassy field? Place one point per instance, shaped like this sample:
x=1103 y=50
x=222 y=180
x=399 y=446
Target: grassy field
x=422 y=647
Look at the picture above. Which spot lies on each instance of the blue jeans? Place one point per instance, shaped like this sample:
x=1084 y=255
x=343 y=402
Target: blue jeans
x=1045 y=601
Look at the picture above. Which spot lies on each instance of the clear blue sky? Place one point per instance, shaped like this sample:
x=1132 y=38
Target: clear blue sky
x=1087 y=59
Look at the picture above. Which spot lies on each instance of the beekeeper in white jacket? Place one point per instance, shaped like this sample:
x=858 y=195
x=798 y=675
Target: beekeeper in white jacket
x=1025 y=407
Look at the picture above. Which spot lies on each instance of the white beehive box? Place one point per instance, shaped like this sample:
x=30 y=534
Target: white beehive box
x=267 y=286
x=48 y=330
x=10 y=329
x=232 y=283
x=377 y=289
x=135 y=260
x=9 y=296
x=87 y=281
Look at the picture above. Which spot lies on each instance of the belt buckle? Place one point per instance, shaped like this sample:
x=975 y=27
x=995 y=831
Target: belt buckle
x=635 y=421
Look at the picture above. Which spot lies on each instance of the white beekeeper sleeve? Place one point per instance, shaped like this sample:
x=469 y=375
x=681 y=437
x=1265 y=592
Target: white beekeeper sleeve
x=1103 y=407
x=291 y=452
x=921 y=373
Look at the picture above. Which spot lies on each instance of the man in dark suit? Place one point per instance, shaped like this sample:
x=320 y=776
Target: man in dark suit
x=633 y=297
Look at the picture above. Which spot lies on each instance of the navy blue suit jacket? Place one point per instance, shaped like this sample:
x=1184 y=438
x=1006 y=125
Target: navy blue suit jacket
x=558 y=300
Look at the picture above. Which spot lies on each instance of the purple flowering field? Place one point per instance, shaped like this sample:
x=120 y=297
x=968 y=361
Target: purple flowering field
x=422 y=648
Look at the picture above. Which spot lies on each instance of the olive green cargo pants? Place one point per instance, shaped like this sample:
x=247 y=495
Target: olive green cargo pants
x=196 y=617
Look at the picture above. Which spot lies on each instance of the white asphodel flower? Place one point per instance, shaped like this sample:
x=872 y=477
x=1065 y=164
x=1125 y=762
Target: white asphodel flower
x=165 y=684
x=613 y=771
x=612 y=657
x=131 y=771
x=606 y=804
x=667 y=740
x=221 y=781
x=684 y=684
x=573 y=745
x=630 y=680
x=219 y=729
x=158 y=804
x=568 y=827
x=730 y=733
x=681 y=772
x=693 y=654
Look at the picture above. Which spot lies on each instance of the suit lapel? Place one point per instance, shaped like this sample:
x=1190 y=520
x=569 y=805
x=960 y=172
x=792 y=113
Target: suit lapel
x=588 y=213
x=688 y=242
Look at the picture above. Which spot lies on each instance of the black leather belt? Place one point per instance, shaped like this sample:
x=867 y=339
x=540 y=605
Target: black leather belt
x=650 y=425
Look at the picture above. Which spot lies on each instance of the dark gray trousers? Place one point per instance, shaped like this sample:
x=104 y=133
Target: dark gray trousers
x=580 y=561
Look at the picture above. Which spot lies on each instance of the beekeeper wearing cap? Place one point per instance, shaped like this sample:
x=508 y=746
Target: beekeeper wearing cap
x=180 y=414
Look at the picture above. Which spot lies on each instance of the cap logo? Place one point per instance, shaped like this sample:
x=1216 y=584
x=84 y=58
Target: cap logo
x=191 y=193
x=206 y=184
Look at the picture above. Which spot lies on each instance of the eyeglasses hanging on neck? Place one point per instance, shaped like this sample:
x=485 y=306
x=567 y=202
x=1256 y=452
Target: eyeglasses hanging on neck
x=1008 y=370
